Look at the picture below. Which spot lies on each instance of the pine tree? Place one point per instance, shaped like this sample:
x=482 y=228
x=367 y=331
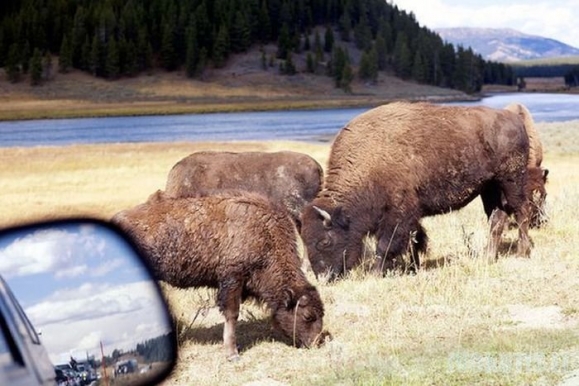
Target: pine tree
x=368 y=70
x=85 y=58
x=25 y=57
x=310 y=64
x=345 y=27
x=419 y=71
x=318 y=50
x=79 y=38
x=264 y=25
x=112 y=66
x=13 y=68
x=289 y=67
x=144 y=51
x=36 y=68
x=283 y=42
x=202 y=61
x=94 y=61
x=307 y=43
x=263 y=60
x=346 y=78
x=340 y=60
x=191 y=54
x=130 y=65
x=461 y=72
x=240 y=33
x=65 y=59
x=329 y=39
x=3 y=48
x=447 y=65
x=168 y=53
x=385 y=31
x=402 y=59
x=47 y=66
x=221 y=49
x=381 y=52
x=363 y=34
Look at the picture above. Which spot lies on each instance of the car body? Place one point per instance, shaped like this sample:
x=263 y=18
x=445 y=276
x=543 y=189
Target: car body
x=23 y=358
x=69 y=377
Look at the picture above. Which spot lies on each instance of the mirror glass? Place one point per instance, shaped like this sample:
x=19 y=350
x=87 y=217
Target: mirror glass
x=92 y=301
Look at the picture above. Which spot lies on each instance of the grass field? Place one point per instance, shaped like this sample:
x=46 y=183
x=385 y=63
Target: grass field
x=458 y=321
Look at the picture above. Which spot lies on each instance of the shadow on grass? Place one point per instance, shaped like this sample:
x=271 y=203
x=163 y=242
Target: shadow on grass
x=249 y=334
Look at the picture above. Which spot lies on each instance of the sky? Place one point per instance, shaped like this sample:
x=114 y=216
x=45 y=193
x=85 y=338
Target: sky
x=557 y=20
x=81 y=285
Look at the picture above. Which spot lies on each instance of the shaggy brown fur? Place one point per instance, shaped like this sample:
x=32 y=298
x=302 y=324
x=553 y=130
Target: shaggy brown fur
x=237 y=243
x=535 y=189
x=397 y=163
x=287 y=178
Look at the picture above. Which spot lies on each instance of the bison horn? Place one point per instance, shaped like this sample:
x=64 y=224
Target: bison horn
x=325 y=215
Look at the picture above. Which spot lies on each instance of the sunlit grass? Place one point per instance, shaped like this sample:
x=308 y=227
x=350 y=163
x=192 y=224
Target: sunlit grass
x=457 y=321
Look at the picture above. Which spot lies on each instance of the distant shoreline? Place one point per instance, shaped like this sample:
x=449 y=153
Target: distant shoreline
x=137 y=108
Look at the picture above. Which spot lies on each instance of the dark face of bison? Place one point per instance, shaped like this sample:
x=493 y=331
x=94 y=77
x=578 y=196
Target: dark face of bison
x=331 y=246
x=300 y=317
x=537 y=194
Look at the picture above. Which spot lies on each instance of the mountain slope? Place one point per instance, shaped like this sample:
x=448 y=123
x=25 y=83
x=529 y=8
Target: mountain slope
x=506 y=45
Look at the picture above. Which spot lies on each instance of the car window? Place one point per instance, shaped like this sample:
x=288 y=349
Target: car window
x=9 y=352
x=23 y=322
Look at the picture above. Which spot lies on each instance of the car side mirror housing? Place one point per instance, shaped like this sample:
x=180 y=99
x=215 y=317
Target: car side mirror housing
x=101 y=313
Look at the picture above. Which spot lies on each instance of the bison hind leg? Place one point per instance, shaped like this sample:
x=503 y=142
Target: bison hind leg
x=229 y=297
x=418 y=244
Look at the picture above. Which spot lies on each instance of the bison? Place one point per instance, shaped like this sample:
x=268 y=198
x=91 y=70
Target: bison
x=397 y=163
x=235 y=242
x=537 y=178
x=289 y=179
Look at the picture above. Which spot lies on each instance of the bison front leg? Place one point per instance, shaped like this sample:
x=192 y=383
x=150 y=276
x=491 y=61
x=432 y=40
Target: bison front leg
x=497 y=221
x=517 y=203
x=524 y=243
x=229 y=301
x=406 y=237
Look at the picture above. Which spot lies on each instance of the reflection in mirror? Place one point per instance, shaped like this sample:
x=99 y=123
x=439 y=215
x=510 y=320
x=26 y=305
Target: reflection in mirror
x=99 y=314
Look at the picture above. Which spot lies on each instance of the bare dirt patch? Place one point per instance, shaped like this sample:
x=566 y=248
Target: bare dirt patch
x=524 y=316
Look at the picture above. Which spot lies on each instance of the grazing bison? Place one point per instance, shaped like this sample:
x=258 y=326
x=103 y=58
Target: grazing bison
x=287 y=178
x=235 y=242
x=397 y=163
x=537 y=176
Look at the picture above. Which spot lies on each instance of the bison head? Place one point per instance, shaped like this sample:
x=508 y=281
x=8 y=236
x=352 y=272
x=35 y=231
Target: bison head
x=300 y=316
x=536 y=194
x=331 y=246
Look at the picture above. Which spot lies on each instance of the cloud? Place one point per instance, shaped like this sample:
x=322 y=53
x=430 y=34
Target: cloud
x=75 y=321
x=91 y=302
x=49 y=251
x=106 y=267
x=555 y=20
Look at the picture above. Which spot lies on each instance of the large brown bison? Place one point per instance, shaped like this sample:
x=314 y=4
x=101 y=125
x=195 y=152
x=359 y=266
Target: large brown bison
x=235 y=242
x=537 y=178
x=397 y=163
x=288 y=178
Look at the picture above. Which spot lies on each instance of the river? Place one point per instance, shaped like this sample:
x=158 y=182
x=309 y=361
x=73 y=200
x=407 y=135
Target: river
x=301 y=125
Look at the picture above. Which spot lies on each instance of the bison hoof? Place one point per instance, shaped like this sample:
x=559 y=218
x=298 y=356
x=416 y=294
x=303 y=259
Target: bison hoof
x=234 y=358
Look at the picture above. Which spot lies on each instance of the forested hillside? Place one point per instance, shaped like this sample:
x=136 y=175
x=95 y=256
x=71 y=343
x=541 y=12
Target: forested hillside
x=119 y=38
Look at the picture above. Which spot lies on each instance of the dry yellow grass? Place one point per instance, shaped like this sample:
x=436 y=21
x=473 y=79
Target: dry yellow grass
x=458 y=322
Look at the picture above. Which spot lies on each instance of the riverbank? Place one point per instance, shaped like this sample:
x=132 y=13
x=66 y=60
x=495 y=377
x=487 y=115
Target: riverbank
x=77 y=95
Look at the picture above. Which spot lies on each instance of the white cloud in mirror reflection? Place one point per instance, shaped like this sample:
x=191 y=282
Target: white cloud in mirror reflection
x=81 y=287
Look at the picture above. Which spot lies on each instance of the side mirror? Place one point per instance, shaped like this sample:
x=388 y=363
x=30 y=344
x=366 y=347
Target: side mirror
x=101 y=313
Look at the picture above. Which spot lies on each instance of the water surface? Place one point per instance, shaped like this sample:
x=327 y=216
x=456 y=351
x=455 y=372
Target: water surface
x=301 y=125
